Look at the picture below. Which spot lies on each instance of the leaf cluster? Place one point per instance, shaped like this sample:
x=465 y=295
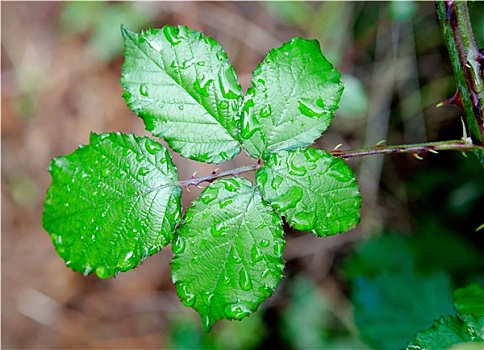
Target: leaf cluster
x=117 y=200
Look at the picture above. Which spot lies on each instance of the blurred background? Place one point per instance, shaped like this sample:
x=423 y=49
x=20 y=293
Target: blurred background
x=373 y=287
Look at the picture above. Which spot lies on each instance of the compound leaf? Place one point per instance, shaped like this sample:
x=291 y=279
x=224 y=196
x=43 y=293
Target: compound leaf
x=294 y=93
x=112 y=203
x=182 y=84
x=228 y=252
x=315 y=191
x=451 y=330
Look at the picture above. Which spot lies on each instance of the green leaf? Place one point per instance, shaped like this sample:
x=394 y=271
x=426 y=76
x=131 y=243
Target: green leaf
x=182 y=84
x=470 y=300
x=293 y=96
x=315 y=191
x=228 y=252
x=451 y=330
x=112 y=203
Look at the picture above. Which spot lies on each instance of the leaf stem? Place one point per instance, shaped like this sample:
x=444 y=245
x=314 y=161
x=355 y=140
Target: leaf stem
x=415 y=149
x=196 y=181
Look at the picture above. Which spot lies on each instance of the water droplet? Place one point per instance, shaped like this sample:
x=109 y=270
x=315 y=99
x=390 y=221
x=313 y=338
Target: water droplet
x=207 y=298
x=209 y=194
x=104 y=136
x=139 y=157
x=155 y=43
x=195 y=260
x=261 y=177
x=312 y=108
x=265 y=290
x=188 y=63
x=278 y=248
x=265 y=111
x=237 y=310
x=312 y=155
x=218 y=230
x=229 y=86
x=235 y=257
x=172 y=34
x=223 y=104
x=153 y=147
x=81 y=175
x=202 y=84
x=181 y=107
x=206 y=323
x=244 y=279
x=187 y=298
x=226 y=280
x=103 y=271
x=264 y=243
x=304 y=221
x=249 y=124
x=87 y=270
x=221 y=55
x=265 y=273
x=143 y=171
x=256 y=254
x=225 y=202
x=276 y=182
x=106 y=172
x=143 y=90
x=179 y=245
x=289 y=199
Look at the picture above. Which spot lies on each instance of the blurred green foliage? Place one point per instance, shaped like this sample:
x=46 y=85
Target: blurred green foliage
x=101 y=21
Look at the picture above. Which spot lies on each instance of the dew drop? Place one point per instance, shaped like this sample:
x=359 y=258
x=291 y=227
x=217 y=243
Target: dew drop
x=87 y=270
x=208 y=298
x=181 y=107
x=172 y=34
x=128 y=255
x=225 y=202
x=195 y=260
x=209 y=195
x=264 y=243
x=220 y=55
x=261 y=177
x=206 y=323
x=276 y=182
x=226 y=280
x=187 y=298
x=265 y=111
x=312 y=108
x=143 y=90
x=304 y=220
x=153 y=147
x=143 y=171
x=265 y=290
x=278 y=248
x=256 y=254
x=188 y=63
x=223 y=104
x=289 y=199
x=229 y=85
x=237 y=310
x=179 y=245
x=265 y=273
x=202 y=85
x=244 y=279
x=218 y=230
x=235 y=257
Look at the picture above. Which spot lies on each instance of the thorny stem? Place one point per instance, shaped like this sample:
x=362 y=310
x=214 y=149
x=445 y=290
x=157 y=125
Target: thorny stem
x=415 y=149
x=196 y=181
x=467 y=62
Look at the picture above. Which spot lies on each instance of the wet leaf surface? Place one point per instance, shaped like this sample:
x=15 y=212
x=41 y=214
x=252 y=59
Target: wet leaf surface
x=112 y=203
x=228 y=252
